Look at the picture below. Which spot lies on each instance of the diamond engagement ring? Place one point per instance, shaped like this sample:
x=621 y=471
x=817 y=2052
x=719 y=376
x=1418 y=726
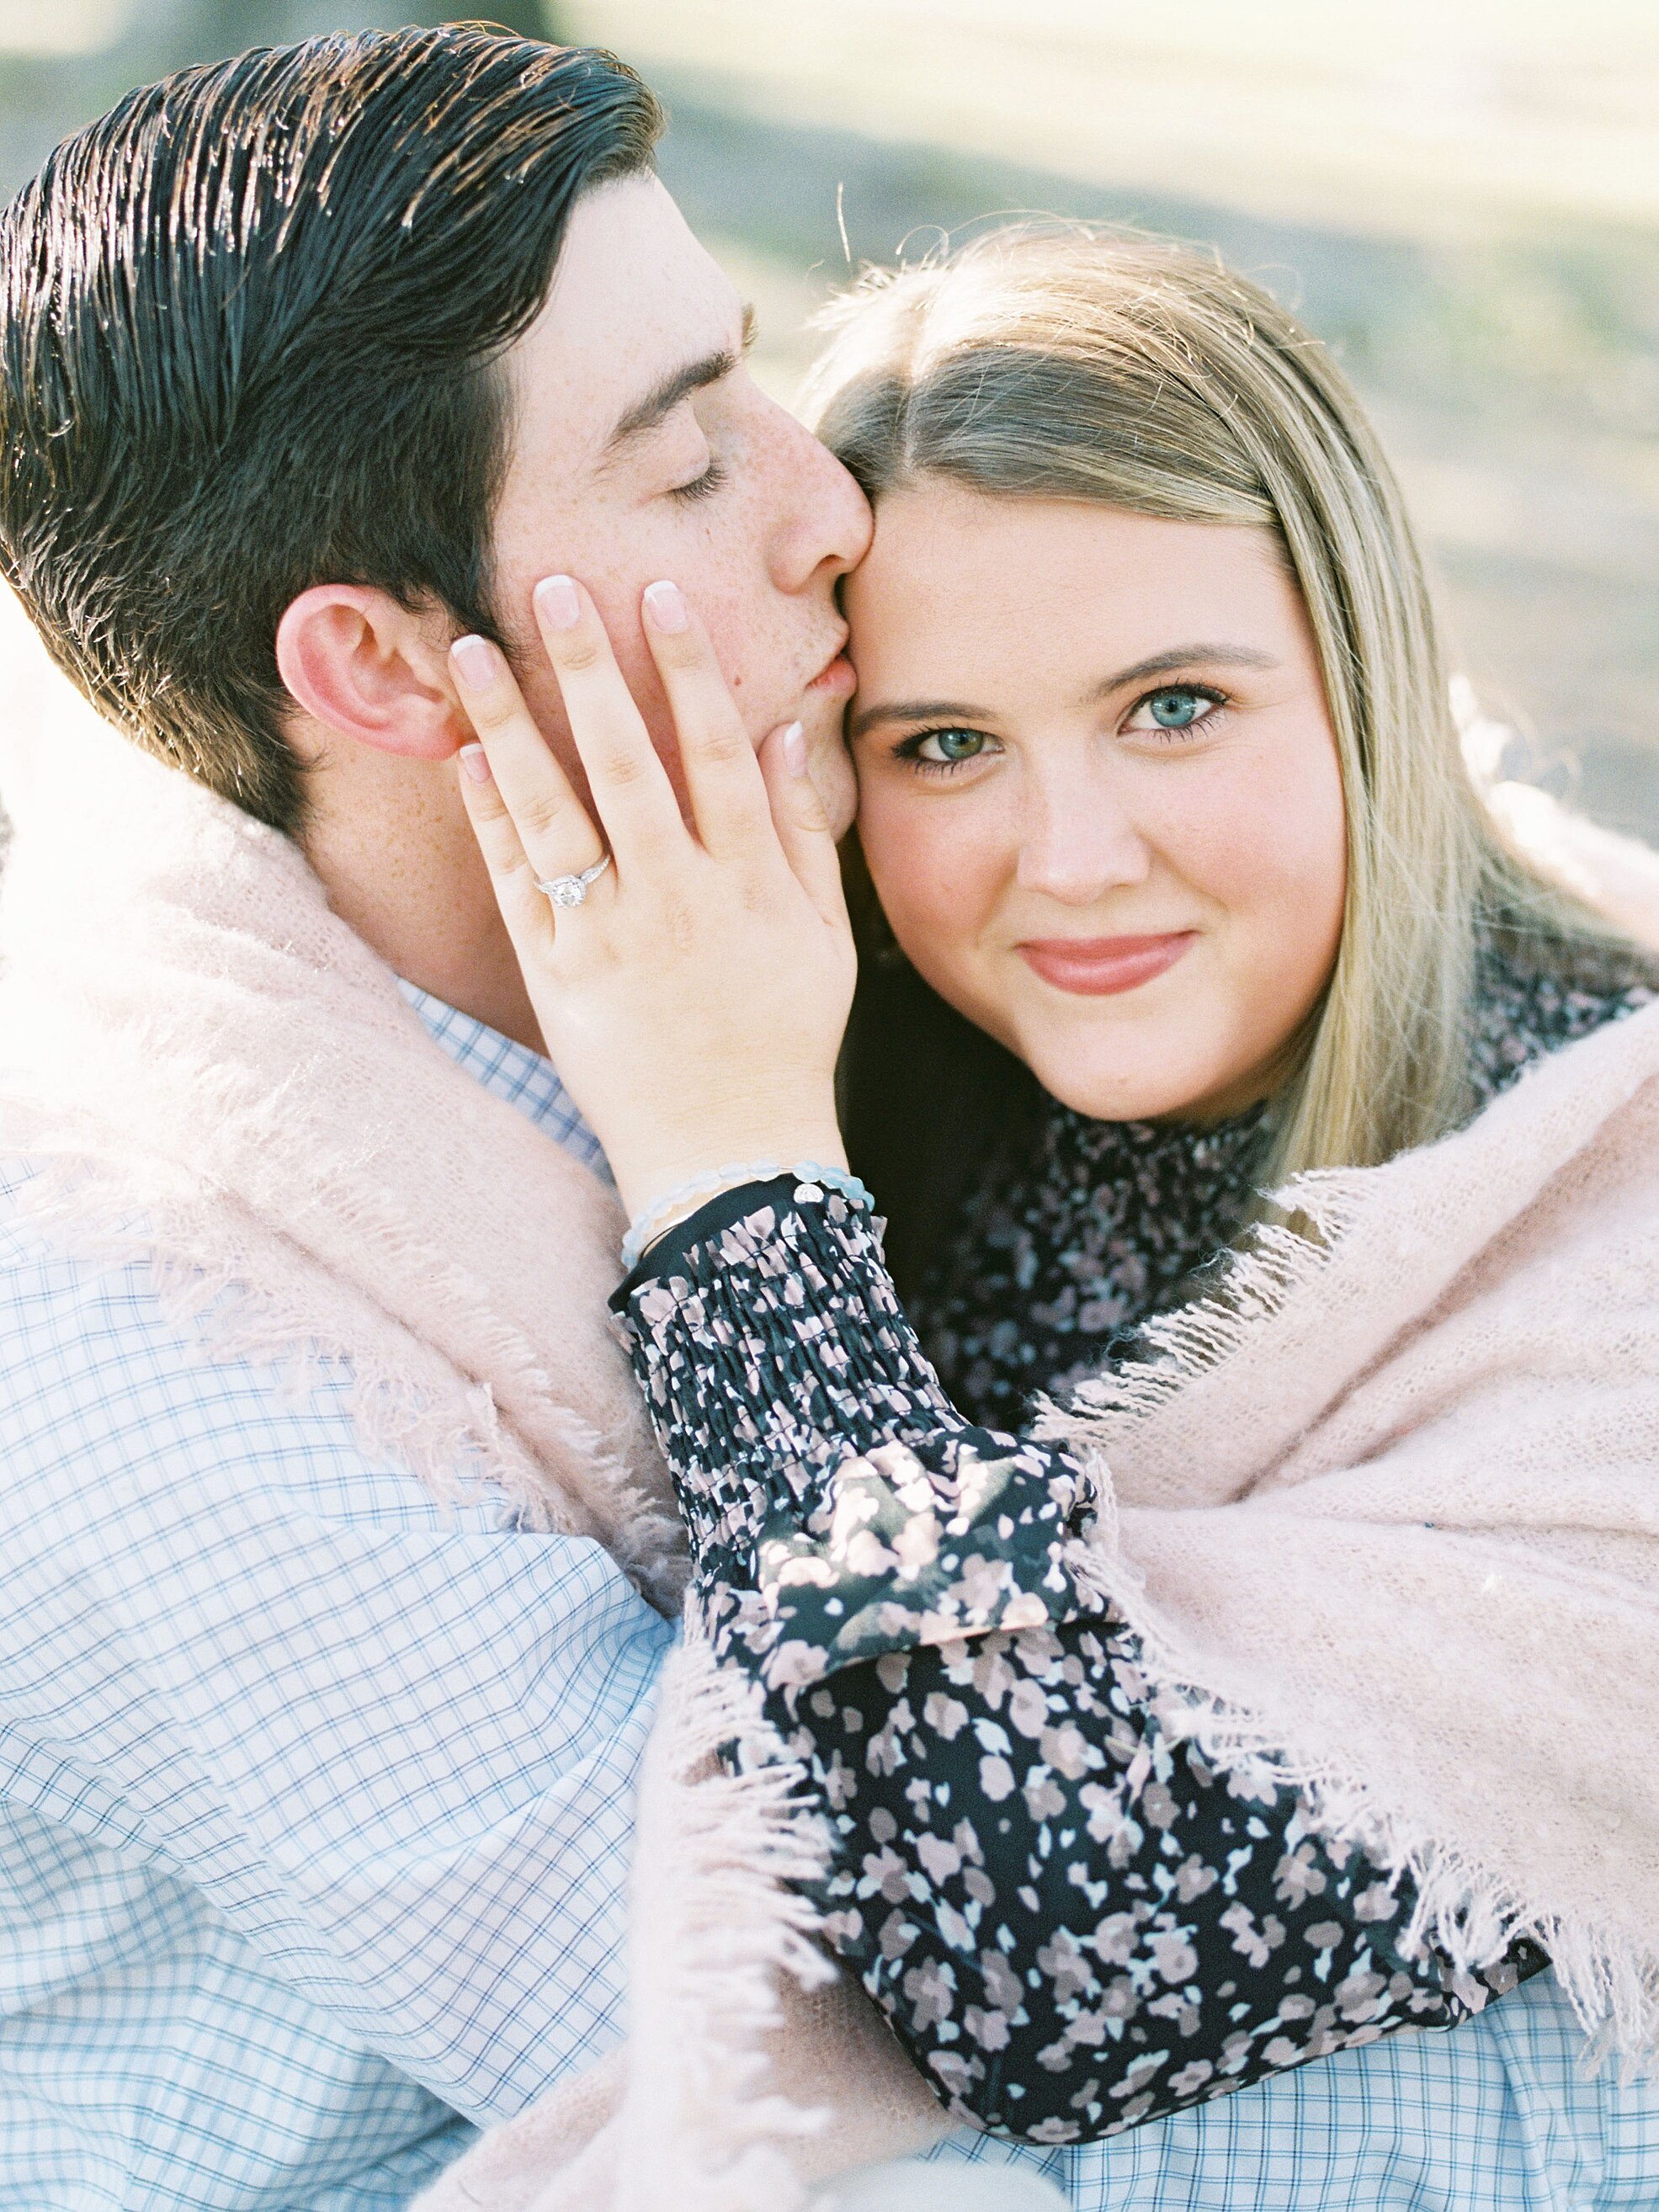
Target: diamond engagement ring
x=571 y=891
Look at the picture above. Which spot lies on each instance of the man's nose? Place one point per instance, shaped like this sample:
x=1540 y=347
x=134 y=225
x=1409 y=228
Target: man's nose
x=827 y=522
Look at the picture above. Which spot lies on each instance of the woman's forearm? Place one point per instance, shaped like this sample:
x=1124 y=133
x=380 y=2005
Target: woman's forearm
x=1070 y=1921
x=822 y=1471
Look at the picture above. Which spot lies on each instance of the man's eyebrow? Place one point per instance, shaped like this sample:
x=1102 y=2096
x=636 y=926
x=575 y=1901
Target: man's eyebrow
x=666 y=395
x=1177 y=657
x=914 y=710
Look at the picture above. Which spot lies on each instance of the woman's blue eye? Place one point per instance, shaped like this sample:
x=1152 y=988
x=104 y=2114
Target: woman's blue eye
x=949 y=745
x=1176 y=707
x=1174 y=710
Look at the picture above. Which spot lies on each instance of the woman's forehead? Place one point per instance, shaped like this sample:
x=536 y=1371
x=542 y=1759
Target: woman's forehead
x=1042 y=585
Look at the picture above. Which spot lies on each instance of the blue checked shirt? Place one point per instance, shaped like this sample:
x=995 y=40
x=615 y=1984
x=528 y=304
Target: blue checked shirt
x=316 y=1813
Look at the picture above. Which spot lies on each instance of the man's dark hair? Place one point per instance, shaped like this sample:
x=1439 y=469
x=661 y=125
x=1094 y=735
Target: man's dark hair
x=251 y=323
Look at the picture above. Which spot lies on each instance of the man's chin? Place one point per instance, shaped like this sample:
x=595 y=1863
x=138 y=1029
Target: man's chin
x=830 y=767
x=823 y=717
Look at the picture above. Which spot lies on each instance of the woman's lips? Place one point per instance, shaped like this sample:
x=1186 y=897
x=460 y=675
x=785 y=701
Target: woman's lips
x=1096 y=967
x=838 y=677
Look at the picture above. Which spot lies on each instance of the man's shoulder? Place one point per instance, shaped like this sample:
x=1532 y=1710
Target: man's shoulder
x=58 y=1310
x=105 y=1389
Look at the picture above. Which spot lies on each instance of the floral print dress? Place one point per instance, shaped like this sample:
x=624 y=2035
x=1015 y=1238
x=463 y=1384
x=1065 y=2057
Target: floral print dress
x=1070 y=1922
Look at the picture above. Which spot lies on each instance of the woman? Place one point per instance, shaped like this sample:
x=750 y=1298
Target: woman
x=1162 y=805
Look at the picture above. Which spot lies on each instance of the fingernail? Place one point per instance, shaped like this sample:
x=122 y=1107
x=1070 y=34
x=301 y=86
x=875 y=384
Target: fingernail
x=476 y=659
x=794 y=742
x=558 y=603
x=476 y=761
x=667 y=604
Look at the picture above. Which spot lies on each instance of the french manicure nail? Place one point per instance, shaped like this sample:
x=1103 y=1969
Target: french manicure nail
x=667 y=606
x=476 y=659
x=476 y=761
x=794 y=742
x=558 y=603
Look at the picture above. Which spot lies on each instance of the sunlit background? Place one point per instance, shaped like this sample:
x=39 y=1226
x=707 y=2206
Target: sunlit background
x=1462 y=196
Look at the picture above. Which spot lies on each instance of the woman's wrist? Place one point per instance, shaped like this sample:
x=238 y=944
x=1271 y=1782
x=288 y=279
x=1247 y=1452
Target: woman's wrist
x=805 y=1179
x=725 y=1149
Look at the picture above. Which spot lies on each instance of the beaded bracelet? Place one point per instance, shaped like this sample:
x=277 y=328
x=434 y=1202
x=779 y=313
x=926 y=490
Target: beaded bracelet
x=812 y=1179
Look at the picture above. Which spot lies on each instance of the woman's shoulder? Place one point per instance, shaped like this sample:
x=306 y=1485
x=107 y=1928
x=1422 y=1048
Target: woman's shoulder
x=1535 y=993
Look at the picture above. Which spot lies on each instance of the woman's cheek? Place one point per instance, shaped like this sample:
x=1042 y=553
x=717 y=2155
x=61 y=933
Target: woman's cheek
x=1279 y=871
x=936 y=881
x=1264 y=836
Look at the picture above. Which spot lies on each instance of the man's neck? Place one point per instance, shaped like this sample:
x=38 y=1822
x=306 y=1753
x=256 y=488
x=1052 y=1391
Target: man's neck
x=391 y=841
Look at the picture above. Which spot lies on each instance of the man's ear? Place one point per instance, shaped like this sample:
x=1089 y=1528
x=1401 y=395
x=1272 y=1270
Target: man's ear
x=360 y=664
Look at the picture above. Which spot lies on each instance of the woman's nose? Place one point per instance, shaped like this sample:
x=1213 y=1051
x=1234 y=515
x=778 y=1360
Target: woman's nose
x=1078 y=846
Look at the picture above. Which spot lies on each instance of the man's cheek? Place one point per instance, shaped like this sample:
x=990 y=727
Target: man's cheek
x=737 y=646
x=541 y=695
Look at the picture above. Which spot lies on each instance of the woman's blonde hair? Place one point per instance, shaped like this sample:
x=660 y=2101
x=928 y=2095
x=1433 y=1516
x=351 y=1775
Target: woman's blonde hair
x=1075 y=362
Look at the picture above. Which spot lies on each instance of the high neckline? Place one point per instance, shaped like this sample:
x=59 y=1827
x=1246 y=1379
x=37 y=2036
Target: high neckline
x=1082 y=1231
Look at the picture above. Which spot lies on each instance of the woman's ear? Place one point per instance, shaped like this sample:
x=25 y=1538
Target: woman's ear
x=360 y=664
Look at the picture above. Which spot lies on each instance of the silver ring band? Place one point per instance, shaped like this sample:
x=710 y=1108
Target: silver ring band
x=570 y=890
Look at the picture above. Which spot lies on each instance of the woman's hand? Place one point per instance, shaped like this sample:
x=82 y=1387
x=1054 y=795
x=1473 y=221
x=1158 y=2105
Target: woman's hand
x=693 y=1001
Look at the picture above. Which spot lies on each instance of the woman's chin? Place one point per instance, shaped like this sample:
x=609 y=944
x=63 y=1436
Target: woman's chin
x=1153 y=1085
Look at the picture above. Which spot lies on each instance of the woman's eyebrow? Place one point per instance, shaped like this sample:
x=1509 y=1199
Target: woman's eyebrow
x=914 y=710
x=1156 y=663
x=1179 y=657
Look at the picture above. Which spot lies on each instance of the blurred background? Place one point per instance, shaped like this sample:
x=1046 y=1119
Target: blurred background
x=1462 y=195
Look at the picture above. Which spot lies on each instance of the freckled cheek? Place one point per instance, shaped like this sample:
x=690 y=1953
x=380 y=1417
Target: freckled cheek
x=747 y=623
x=742 y=626
x=734 y=642
x=541 y=692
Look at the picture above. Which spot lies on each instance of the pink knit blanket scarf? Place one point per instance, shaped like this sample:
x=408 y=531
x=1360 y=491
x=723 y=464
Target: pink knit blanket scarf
x=212 y=1073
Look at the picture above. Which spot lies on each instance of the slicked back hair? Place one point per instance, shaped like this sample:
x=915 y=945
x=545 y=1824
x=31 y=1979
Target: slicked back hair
x=251 y=323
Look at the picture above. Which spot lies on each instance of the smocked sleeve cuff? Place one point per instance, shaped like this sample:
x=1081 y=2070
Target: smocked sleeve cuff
x=838 y=1506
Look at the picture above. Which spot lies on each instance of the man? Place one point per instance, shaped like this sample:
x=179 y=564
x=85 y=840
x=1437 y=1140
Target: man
x=286 y=402
x=316 y=1790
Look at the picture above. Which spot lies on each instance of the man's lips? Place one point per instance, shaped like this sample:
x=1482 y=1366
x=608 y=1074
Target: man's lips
x=1096 y=967
x=836 y=676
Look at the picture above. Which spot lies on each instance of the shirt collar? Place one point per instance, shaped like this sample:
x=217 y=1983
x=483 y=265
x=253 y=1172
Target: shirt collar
x=512 y=1071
